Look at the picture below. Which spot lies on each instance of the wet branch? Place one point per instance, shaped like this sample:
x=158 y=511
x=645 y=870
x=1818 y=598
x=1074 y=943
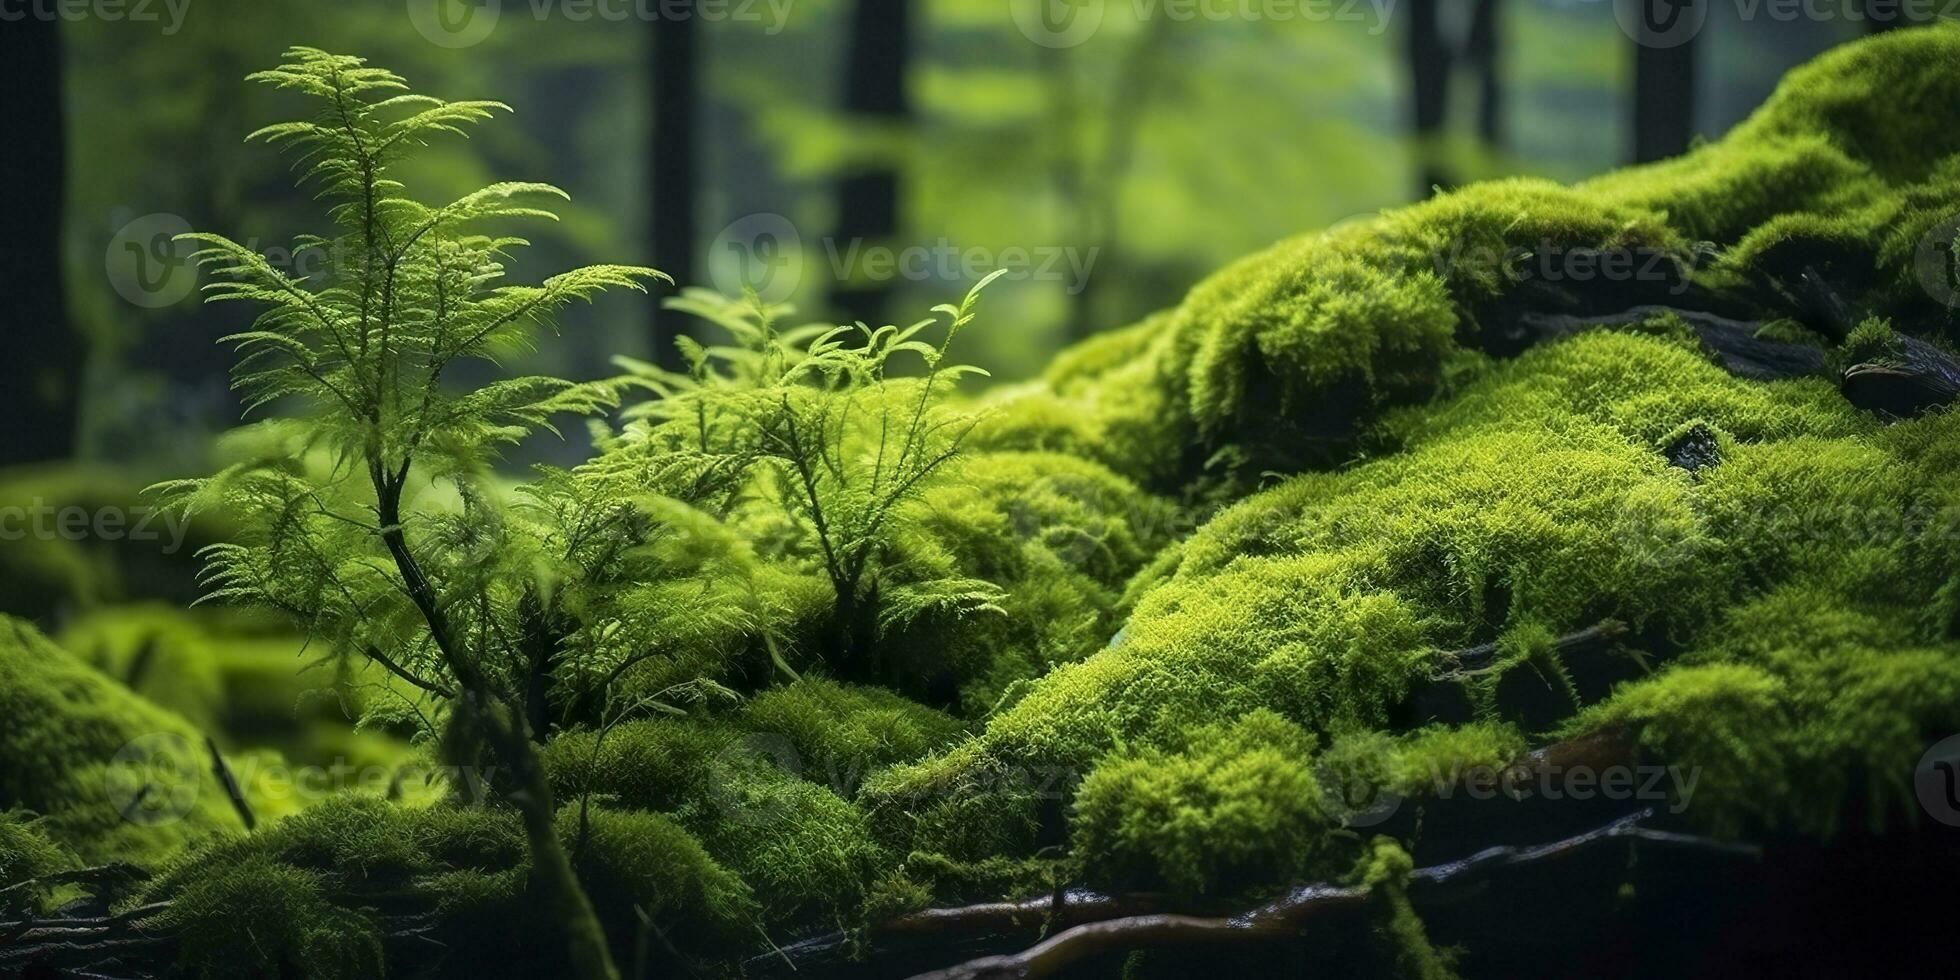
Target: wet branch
x=1283 y=918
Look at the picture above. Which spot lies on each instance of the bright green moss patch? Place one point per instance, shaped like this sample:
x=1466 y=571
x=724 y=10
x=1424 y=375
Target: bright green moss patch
x=807 y=854
x=841 y=732
x=1536 y=502
x=1237 y=807
x=1059 y=535
x=1844 y=171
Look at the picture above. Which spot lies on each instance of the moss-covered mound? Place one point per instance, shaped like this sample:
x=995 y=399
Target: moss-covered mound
x=1283 y=353
x=1794 y=597
x=113 y=776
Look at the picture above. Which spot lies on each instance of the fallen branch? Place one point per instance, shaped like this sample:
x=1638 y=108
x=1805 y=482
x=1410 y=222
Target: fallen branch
x=1283 y=918
x=230 y=783
x=1458 y=665
x=1735 y=342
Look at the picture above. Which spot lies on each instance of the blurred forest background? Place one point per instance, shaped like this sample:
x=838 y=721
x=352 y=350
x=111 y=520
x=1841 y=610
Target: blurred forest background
x=1115 y=151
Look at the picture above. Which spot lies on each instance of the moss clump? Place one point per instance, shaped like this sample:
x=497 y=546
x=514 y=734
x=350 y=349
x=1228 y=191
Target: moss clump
x=842 y=732
x=308 y=887
x=807 y=854
x=1286 y=353
x=1235 y=808
x=115 y=777
x=258 y=916
x=1538 y=501
x=644 y=860
x=1058 y=535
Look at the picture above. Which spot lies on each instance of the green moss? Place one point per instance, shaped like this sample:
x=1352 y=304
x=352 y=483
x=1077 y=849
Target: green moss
x=1236 y=808
x=318 y=871
x=1385 y=871
x=1534 y=503
x=259 y=916
x=1284 y=352
x=807 y=854
x=841 y=732
x=1059 y=535
x=646 y=860
x=26 y=854
x=652 y=764
x=79 y=749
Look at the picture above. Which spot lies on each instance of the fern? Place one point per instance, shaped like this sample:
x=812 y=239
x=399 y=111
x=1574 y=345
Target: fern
x=443 y=594
x=839 y=441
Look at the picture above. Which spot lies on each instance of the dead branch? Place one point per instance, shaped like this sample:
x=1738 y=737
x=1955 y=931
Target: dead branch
x=1284 y=917
x=230 y=783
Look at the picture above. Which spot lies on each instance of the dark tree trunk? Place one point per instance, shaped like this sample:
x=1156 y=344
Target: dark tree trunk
x=40 y=374
x=874 y=92
x=1429 y=91
x=672 y=166
x=1663 y=93
x=1436 y=45
x=1482 y=51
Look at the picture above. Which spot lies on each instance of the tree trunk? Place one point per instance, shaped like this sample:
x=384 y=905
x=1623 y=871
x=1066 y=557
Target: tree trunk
x=672 y=166
x=1429 y=61
x=874 y=92
x=1663 y=87
x=40 y=376
x=1482 y=52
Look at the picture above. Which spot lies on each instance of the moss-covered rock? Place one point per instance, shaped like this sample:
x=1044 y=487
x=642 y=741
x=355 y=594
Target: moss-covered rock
x=115 y=777
x=1535 y=502
x=1286 y=353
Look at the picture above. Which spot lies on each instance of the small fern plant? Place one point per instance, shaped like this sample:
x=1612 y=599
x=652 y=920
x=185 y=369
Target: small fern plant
x=837 y=438
x=372 y=522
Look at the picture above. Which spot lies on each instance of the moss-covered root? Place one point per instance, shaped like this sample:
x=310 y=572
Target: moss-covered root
x=1385 y=872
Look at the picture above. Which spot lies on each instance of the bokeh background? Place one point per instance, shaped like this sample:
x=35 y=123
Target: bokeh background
x=1111 y=152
